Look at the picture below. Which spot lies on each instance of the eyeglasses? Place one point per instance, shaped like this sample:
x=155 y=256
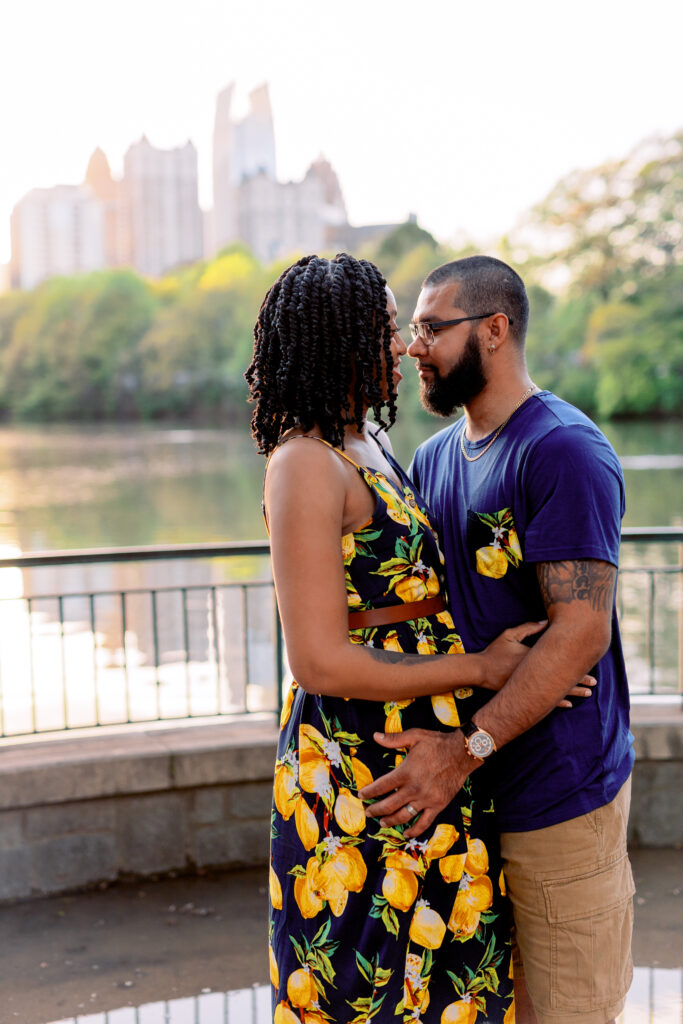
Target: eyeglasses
x=425 y=332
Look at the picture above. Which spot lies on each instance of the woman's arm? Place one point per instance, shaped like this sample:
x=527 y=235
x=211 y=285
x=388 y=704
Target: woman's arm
x=307 y=499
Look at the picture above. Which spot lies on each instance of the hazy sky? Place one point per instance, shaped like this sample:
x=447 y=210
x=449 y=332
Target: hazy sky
x=464 y=113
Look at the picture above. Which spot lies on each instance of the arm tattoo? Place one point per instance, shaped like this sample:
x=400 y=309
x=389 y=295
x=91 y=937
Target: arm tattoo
x=584 y=580
x=395 y=657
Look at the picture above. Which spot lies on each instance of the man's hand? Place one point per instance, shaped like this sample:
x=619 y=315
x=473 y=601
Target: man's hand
x=424 y=783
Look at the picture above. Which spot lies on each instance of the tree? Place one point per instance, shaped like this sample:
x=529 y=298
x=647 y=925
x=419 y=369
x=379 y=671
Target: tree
x=603 y=228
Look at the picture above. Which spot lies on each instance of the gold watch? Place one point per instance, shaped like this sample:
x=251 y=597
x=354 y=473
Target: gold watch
x=479 y=742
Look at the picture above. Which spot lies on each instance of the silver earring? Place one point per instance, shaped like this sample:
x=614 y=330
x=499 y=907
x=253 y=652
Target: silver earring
x=492 y=348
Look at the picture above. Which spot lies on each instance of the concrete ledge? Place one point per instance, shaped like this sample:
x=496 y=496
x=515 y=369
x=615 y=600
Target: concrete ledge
x=146 y=800
x=79 y=810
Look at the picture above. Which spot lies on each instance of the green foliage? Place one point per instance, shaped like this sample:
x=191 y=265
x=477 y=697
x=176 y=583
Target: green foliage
x=113 y=345
x=399 y=243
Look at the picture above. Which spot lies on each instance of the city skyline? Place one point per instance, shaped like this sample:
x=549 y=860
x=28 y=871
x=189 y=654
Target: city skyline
x=149 y=218
x=465 y=116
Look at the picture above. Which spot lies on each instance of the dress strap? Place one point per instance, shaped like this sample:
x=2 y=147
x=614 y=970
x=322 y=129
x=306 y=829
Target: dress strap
x=302 y=437
x=314 y=437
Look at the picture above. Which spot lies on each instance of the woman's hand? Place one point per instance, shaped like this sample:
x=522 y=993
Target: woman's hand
x=504 y=654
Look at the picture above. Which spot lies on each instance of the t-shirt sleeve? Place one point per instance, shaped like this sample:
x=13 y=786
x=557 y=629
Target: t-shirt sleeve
x=575 y=493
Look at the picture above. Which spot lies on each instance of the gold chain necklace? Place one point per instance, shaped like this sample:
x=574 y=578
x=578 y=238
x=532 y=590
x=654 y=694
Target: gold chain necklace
x=473 y=458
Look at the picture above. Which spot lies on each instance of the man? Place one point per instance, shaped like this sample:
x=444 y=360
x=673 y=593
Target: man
x=528 y=498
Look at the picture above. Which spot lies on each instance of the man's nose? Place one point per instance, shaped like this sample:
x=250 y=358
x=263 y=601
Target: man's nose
x=416 y=347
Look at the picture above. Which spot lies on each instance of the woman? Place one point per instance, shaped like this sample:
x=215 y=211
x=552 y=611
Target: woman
x=365 y=924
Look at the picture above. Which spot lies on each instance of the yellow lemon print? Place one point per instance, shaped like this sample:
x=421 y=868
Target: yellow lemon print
x=464 y=920
x=478 y=894
x=349 y=813
x=361 y=773
x=452 y=867
x=390 y=642
x=284 y=1015
x=445 y=708
x=274 y=973
x=432 y=584
x=411 y=588
x=301 y=988
x=347 y=866
x=404 y=861
x=275 y=889
x=392 y=710
x=441 y=842
x=427 y=927
x=463 y=1011
x=513 y=542
x=399 y=888
x=399 y=516
x=306 y=824
x=314 y=772
x=477 y=862
x=287 y=705
x=306 y=891
x=348 y=543
x=285 y=791
x=491 y=562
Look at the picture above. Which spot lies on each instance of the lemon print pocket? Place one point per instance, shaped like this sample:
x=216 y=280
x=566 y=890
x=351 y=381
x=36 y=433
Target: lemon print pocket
x=495 y=541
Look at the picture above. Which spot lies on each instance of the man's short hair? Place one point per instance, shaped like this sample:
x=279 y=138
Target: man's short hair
x=486 y=284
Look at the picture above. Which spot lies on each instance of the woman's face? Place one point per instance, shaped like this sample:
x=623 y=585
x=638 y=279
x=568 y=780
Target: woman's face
x=398 y=346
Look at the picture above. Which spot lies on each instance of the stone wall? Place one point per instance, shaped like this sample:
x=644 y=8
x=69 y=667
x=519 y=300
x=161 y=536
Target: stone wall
x=93 y=809
x=142 y=801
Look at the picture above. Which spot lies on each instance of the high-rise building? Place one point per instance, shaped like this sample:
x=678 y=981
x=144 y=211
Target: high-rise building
x=241 y=149
x=250 y=205
x=103 y=185
x=56 y=230
x=162 y=207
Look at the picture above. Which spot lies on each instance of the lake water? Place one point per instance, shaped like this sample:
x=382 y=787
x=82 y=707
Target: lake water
x=64 y=487
x=95 y=486
x=655 y=996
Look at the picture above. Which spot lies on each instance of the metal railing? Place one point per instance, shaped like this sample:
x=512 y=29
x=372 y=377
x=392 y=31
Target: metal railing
x=210 y=645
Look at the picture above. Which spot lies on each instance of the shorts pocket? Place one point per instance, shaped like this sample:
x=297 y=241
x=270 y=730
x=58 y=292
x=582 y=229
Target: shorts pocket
x=591 y=920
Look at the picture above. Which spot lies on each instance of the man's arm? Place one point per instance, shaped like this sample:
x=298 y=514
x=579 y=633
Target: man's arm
x=578 y=597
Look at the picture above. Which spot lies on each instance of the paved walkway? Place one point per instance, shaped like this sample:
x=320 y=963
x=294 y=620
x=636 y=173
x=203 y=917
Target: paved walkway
x=128 y=945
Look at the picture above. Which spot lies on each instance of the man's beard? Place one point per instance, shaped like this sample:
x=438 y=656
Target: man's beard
x=443 y=395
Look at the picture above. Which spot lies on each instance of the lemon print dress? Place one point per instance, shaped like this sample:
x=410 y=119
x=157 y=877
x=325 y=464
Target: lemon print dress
x=366 y=925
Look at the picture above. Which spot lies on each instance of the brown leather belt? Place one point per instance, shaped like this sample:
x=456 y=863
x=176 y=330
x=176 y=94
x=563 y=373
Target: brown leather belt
x=397 y=613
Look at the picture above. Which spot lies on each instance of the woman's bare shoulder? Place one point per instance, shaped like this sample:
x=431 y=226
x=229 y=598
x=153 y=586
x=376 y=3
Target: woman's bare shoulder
x=306 y=459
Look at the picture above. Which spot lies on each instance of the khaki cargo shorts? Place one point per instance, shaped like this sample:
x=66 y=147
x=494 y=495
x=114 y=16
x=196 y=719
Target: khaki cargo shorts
x=571 y=890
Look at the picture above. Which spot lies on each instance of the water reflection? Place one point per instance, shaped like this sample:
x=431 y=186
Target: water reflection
x=95 y=486
x=656 y=996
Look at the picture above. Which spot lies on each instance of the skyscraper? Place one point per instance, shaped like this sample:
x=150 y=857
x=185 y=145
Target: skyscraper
x=241 y=149
x=56 y=230
x=162 y=206
x=99 y=179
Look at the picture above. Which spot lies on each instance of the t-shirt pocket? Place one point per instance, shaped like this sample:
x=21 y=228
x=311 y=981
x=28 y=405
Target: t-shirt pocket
x=493 y=543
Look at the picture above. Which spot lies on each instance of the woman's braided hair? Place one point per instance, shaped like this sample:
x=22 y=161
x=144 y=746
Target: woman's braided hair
x=318 y=340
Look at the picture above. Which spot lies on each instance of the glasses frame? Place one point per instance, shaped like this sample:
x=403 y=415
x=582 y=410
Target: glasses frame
x=416 y=326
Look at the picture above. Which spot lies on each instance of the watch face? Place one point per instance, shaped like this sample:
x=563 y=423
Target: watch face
x=480 y=744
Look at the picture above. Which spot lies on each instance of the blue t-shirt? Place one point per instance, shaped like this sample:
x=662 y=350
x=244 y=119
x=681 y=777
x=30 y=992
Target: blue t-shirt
x=550 y=488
